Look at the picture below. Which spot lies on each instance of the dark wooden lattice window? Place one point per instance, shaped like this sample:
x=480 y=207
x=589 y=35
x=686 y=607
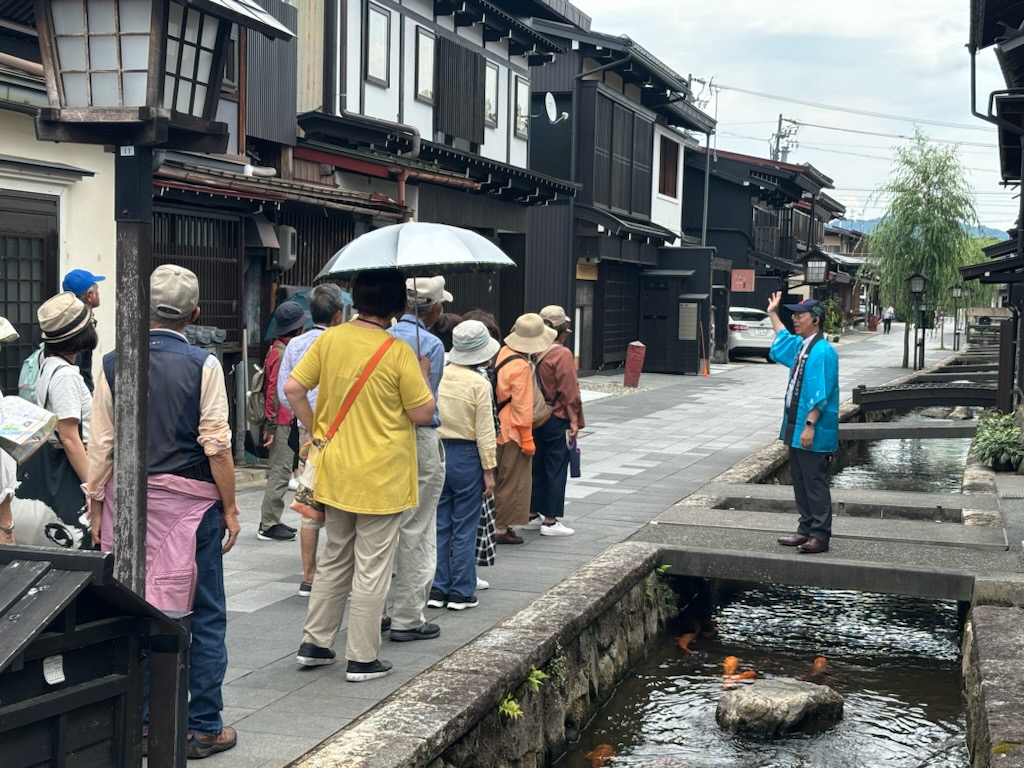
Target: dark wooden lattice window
x=621 y=310
x=459 y=92
x=28 y=273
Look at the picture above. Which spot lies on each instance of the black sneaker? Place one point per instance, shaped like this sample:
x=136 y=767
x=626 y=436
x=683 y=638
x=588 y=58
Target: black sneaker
x=437 y=598
x=359 y=671
x=427 y=631
x=457 y=602
x=277 y=532
x=288 y=527
x=310 y=655
x=305 y=588
x=385 y=624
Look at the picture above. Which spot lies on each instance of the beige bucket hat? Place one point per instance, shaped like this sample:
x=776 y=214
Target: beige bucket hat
x=530 y=335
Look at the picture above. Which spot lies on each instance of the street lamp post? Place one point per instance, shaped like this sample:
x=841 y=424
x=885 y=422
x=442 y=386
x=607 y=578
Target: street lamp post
x=815 y=272
x=136 y=75
x=916 y=283
x=956 y=292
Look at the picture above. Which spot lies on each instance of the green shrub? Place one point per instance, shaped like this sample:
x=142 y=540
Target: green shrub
x=999 y=441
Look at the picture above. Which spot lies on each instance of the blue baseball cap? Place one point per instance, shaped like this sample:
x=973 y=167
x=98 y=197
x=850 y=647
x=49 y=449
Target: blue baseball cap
x=78 y=281
x=813 y=306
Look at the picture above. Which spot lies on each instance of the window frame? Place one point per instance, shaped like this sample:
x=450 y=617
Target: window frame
x=663 y=168
x=372 y=77
x=422 y=35
x=489 y=67
x=522 y=118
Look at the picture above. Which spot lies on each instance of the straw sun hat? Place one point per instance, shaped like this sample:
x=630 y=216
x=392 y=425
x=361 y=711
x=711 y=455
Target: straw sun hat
x=530 y=334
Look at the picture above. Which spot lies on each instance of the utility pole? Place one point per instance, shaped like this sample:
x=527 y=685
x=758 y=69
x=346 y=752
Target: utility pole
x=778 y=139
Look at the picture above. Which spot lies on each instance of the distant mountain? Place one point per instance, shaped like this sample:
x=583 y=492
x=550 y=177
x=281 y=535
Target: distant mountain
x=867 y=226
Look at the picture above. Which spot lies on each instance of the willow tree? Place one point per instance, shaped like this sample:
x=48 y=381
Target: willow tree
x=923 y=229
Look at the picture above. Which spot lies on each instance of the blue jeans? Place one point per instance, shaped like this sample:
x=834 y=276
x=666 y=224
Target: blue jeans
x=550 y=468
x=208 y=652
x=458 y=515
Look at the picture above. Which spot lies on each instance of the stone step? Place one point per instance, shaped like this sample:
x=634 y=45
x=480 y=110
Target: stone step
x=906 y=532
x=889 y=430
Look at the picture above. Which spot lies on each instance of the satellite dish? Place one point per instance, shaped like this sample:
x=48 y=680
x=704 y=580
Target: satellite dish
x=550 y=107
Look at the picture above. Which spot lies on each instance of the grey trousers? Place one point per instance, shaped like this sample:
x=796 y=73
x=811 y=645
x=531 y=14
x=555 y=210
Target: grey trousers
x=279 y=472
x=416 y=556
x=813 y=496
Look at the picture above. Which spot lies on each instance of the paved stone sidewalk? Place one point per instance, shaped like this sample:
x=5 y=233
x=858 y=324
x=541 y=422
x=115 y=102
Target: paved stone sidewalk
x=641 y=453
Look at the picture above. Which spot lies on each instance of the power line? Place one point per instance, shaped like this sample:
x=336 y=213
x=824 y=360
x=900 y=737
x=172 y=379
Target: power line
x=893 y=135
x=850 y=110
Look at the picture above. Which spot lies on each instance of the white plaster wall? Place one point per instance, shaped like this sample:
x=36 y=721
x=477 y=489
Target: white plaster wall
x=416 y=113
x=667 y=211
x=353 y=52
x=495 y=146
x=87 y=230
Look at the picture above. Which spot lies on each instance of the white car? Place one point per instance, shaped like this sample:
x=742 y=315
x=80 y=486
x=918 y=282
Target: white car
x=750 y=332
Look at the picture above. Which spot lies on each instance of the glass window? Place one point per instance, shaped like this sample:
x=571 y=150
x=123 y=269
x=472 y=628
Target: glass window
x=378 y=46
x=491 y=95
x=522 y=107
x=424 y=65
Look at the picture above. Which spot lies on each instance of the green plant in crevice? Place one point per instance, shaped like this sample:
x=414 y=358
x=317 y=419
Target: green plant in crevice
x=668 y=594
x=510 y=708
x=998 y=441
x=535 y=679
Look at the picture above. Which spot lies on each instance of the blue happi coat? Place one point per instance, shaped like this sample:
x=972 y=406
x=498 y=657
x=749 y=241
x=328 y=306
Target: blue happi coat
x=820 y=389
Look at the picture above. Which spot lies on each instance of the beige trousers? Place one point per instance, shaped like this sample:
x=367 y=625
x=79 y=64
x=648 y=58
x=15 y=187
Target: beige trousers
x=357 y=558
x=513 y=486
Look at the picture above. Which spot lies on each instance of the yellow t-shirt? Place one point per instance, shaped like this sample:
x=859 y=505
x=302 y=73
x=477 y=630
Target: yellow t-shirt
x=370 y=465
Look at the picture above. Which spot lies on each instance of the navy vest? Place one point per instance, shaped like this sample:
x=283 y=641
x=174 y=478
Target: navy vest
x=175 y=382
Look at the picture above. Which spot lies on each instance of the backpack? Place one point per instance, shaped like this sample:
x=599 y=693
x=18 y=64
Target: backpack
x=542 y=409
x=30 y=374
x=256 y=398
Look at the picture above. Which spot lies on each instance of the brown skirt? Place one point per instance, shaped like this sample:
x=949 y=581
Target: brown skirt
x=513 y=486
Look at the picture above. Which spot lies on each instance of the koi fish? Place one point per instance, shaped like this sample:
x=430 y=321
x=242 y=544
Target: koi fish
x=684 y=641
x=600 y=755
x=747 y=676
x=818 y=668
x=730 y=665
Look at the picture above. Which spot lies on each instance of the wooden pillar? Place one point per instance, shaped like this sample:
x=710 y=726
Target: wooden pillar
x=133 y=211
x=1004 y=384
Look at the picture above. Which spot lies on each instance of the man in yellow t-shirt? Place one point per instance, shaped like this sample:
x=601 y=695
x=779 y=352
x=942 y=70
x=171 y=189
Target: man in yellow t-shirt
x=366 y=475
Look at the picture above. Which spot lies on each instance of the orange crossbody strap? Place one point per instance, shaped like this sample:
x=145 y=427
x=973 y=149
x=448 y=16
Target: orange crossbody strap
x=354 y=392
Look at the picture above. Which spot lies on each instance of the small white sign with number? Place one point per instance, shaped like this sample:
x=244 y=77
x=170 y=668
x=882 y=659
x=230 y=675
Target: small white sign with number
x=53 y=669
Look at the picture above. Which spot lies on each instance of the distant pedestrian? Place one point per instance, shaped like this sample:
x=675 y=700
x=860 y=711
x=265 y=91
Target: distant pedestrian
x=467 y=433
x=810 y=426
x=888 y=314
x=192 y=513
x=366 y=475
x=416 y=557
x=50 y=507
x=83 y=284
x=290 y=319
x=327 y=308
x=8 y=467
x=443 y=328
x=516 y=447
x=556 y=370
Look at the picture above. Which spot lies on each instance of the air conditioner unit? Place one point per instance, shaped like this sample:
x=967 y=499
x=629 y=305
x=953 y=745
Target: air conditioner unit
x=283 y=258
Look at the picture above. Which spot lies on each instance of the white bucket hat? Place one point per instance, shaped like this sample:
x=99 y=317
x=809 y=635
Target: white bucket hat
x=7 y=332
x=472 y=344
x=531 y=335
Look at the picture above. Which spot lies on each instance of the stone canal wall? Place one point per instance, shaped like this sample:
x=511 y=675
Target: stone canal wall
x=516 y=695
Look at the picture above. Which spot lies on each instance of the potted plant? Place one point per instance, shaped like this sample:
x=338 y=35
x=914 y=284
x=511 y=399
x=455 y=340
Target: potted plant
x=833 y=318
x=999 y=442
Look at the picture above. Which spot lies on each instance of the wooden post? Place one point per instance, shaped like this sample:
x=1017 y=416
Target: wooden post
x=1004 y=384
x=133 y=211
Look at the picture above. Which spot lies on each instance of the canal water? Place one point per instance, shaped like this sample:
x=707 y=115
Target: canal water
x=895 y=660
x=928 y=466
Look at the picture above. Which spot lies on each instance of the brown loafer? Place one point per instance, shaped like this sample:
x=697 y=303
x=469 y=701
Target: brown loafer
x=199 y=746
x=813 y=547
x=508 y=538
x=793 y=540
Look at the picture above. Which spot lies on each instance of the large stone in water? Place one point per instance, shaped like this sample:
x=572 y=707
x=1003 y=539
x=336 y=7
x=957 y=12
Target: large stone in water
x=776 y=706
x=936 y=412
x=962 y=412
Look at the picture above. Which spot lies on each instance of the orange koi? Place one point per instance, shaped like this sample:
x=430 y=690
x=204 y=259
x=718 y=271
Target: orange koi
x=684 y=642
x=730 y=665
x=731 y=681
x=600 y=755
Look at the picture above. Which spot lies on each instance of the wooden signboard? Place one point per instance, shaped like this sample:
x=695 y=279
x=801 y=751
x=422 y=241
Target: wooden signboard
x=742 y=281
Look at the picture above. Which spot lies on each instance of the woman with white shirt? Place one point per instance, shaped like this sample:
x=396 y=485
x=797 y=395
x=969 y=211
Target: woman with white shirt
x=49 y=506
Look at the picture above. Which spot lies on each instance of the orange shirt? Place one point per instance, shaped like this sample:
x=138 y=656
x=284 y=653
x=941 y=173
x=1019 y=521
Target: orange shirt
x=515 y=381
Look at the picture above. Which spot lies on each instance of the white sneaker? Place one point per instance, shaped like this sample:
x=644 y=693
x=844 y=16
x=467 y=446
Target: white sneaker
x=293 y=484
x=481 y=584
x=535 y=523
x=556 y=529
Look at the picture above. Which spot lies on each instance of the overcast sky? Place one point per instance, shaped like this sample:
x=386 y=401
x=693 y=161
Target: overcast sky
x=885 y=56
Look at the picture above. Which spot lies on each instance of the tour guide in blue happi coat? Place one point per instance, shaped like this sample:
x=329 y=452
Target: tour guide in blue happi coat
x=810 y=425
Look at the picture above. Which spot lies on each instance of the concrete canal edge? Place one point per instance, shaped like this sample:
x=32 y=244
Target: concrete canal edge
x=584 y=634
